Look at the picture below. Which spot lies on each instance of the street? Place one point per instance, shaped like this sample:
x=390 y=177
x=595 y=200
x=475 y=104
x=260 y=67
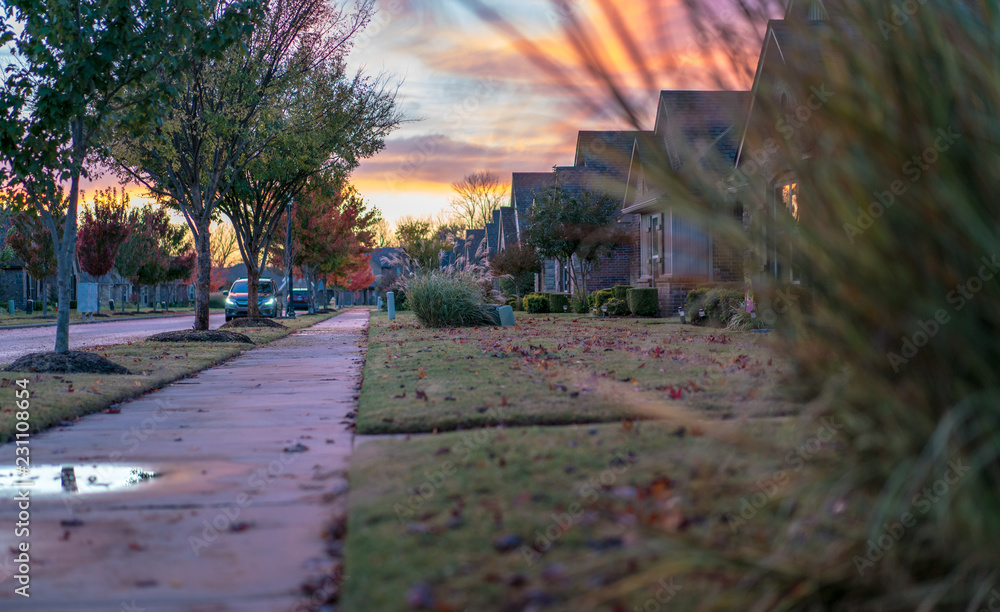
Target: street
x=17 y=342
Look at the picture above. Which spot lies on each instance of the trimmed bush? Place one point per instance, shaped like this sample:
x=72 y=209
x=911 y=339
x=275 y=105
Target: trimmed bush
x=216 y=300
x=621 y=292
x=617 y=308
x=643 y=302
x=513 y=303
x=581 y=305
x=448 y=301
x=601 y=296
x=557 y=301
x=536 y=303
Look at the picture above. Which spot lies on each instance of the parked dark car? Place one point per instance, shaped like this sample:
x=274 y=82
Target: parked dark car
x=301 y=299
x=236 y=299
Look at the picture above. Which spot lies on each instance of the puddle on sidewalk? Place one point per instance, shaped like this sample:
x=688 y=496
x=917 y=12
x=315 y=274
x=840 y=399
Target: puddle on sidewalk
x=84 y=479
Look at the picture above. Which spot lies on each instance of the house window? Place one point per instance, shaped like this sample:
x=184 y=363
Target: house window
x=790 y=198
x=783 y=258
x=655 y=245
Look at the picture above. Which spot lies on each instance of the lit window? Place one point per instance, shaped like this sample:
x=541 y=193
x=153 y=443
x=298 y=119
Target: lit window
x=790 y=198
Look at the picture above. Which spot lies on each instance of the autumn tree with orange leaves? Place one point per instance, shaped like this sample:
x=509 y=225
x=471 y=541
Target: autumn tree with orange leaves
x=333 y=232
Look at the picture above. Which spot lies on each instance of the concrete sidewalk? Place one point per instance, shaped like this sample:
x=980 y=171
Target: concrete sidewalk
x=253 y=457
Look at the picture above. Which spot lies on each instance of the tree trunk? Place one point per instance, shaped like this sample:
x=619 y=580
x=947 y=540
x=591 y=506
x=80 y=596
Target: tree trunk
x=253 y=289
x=312 y=294
x=202 y=289
x=64 y=259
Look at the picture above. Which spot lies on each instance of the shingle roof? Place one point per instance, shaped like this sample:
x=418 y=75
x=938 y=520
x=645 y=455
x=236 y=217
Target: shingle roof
x=606 y=151
x=702 y=126
x=508 y=224
x=524 y=187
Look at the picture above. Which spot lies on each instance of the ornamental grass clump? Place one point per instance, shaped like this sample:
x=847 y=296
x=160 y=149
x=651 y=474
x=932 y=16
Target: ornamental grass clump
x=443 y=300
x=866 y=171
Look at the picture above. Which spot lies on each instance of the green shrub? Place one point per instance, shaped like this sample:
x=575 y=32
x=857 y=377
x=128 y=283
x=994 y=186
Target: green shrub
x=617 y=308
x=601 y=296
x=557 y=301
x=513 y=303
x=536 y=303
x=72 y=304
x=216 y=300
x=581 y=305
x=621 y=292
x=643 y=302
x=441 y=300
x=720 y=303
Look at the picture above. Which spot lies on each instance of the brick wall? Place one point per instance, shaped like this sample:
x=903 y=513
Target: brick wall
x=673 y=294
x=621 y=267
x=11 y=288
x=728 y=262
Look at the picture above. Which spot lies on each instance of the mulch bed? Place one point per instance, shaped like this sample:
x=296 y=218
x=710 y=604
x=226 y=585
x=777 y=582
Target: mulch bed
x=254 y=322
x=73 y=362
x=200 y=336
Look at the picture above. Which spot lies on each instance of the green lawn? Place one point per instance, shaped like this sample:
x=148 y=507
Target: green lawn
x=60 y=397
x=585 y=517
x=553 y=497
x=561 y=369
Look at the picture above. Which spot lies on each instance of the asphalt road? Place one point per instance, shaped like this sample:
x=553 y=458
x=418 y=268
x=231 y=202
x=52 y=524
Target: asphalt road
x=17 y=342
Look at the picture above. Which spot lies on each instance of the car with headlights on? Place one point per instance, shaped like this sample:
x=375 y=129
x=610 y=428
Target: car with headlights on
x=238 y=296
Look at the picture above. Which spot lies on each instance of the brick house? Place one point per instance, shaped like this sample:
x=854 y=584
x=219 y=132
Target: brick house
x=696 y=132
x=601 y=164
x=775 y=128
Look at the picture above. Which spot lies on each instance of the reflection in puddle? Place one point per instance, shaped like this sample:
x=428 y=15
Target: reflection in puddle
x=72 y=479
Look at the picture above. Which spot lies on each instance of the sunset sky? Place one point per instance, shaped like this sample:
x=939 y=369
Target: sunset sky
x=475 y=101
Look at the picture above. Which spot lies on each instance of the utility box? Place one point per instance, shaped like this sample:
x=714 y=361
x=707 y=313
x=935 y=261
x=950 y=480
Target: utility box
x=86 y=297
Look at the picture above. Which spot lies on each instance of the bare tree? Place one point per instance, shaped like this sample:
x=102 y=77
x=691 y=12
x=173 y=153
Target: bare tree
x=477 y=196
x=223 y=246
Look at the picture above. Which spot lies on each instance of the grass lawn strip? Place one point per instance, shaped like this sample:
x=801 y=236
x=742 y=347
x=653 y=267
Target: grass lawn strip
x=507 y=519
x=63 y=397
x=561 y=369
x=23 y=318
